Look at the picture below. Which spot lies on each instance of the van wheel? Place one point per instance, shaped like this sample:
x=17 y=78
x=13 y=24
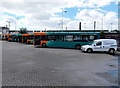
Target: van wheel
x=43 y=45
x=78 y=47
x=111 y=51
x=89 y=50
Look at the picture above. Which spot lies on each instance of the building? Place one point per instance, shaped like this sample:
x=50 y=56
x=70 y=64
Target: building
x=3 y=31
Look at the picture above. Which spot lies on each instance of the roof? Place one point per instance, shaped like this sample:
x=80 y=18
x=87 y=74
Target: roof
x=105 y=39
x=65 y=33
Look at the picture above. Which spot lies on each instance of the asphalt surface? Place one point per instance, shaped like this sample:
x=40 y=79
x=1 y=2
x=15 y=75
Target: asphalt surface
x=25 y=65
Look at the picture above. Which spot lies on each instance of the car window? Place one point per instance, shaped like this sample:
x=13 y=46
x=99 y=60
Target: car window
x=98 y=43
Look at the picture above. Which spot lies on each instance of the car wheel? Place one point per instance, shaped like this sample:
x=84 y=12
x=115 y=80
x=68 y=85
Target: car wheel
x=89 y=50
x=112 y=51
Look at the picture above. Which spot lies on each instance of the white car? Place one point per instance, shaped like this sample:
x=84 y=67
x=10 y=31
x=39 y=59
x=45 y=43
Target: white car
x=108 y=45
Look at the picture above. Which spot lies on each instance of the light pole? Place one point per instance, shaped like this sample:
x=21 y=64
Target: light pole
x=62 y=18
x=16 y=25
x=9 y=24
x=111 y=26
x=84 y=25
x=102 y=24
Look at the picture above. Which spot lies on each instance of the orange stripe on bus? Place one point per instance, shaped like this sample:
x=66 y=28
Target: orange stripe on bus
x=9 y=38
x=43 y=42
x=40 y=33
x=25 y=34
x=7 y=35
x=29 y=40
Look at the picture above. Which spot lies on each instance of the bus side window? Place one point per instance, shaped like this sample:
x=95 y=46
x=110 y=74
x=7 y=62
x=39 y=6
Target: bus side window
x=69 y=38
x=91 y=37
x=59 y=38
x=51 y=38
x=85 y=38
x=76 y=38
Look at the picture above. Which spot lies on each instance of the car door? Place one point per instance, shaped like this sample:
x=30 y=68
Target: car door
x=98 y=46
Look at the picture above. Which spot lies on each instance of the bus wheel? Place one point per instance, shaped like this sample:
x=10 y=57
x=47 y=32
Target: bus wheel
x=89 y=50
x=111 y=51
x=78 y=47
x=43 y=45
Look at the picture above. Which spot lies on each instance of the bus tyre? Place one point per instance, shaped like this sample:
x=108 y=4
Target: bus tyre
x=43 y=45
x=78 y=47
x=111 y=51
x=89 y=50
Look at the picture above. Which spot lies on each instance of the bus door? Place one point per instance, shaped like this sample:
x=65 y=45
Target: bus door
x=37 y=39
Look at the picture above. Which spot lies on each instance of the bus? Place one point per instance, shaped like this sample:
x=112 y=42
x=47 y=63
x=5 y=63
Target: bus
x=65 y=39
x=11 y=37
x=27 y=38
x=19 y=38
x=7 y=36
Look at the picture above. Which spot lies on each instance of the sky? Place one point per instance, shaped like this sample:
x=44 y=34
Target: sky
x=47 y=14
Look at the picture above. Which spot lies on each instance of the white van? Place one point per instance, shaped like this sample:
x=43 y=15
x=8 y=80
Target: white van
x=108 y=45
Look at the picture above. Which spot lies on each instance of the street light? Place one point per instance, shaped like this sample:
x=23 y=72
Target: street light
x=102 y=24
x=84 y=25
x=9 y=24
x=111 y=26
x=62 y=18
x=16 y=25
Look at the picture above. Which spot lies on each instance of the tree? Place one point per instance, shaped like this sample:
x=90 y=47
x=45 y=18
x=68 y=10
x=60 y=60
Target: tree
x=23 y=31
x=102 y=33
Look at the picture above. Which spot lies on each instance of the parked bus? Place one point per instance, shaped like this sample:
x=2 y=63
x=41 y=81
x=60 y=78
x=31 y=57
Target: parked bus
x=65 y=39
x=11 y=37
x=27 y=38
x=7 y=36
x=19 y=38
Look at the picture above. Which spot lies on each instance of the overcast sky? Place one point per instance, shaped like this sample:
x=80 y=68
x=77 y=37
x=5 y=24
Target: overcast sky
x=41 y=14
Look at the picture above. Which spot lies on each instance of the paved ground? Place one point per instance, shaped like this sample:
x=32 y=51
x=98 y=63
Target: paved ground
x=25 y=65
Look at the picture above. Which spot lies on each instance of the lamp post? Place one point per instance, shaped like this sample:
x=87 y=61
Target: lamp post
x=84 y=25
x=111 y=26
x=9 y=24
x=62 y=18
x=102 y=24
x=16 y=25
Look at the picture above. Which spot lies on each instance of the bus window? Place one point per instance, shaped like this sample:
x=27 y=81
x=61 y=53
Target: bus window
x=59 y=38
x=43 y=37
x=69 y=38
x=92 y=37
x=51 y=38
x=85 y=38
x=77 y=38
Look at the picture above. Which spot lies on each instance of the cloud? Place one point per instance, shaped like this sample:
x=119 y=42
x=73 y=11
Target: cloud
x=42 y=13
x=88 y=16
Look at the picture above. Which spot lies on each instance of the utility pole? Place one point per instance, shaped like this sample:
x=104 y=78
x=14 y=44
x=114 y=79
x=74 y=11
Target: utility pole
x=80 y=26
x=62 y=18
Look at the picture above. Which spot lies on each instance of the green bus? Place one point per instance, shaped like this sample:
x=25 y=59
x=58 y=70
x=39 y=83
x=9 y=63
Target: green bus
x=12 y=38
x=18 y=37
x=65 y=39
